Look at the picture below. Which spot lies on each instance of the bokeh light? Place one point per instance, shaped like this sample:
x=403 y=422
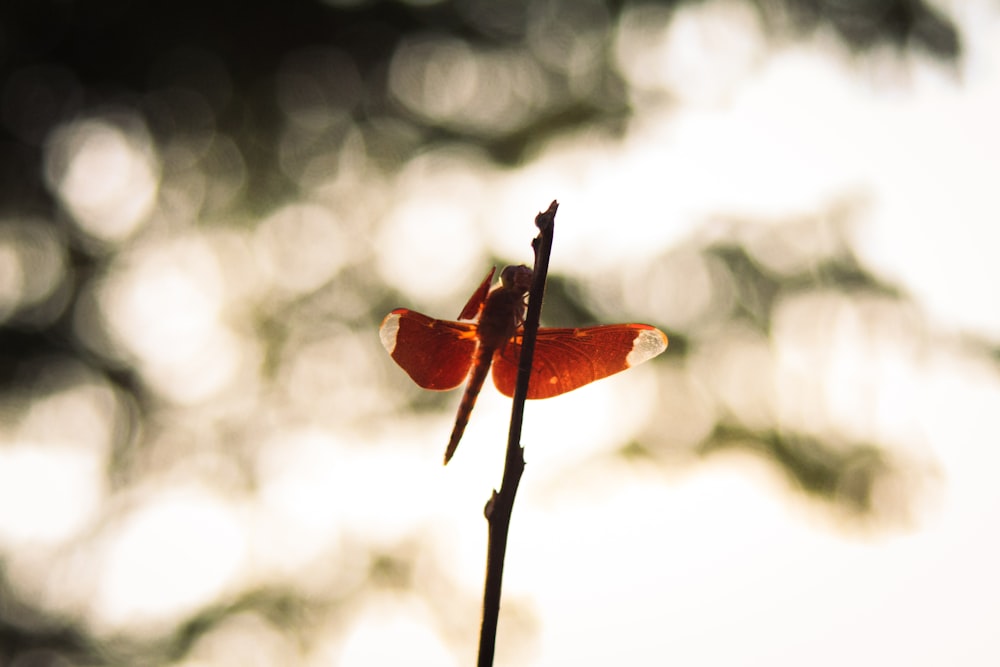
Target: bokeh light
x=172 y=554
x=106 y=175
x=697 y=53
x=164 y=307
x=446 y=82
x=33 y=268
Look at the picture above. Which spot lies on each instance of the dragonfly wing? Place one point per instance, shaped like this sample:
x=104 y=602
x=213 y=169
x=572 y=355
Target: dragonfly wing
x=437 y=354
x=566 y=359
x=478 y=298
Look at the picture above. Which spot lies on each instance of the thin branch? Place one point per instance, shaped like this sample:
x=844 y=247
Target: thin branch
x=501 y=503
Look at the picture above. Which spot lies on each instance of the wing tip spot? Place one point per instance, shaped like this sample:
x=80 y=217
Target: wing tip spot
x=647 y=344
x=388 y=332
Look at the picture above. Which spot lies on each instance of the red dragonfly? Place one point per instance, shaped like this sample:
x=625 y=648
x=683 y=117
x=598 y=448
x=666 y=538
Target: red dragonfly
x=441 y=354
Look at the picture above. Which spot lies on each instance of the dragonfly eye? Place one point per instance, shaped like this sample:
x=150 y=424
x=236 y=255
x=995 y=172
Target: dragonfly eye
x=517 y=277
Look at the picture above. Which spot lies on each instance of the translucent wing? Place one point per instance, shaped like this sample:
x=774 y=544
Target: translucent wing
x=566 y=359
x=478 y=298
x=437 y=354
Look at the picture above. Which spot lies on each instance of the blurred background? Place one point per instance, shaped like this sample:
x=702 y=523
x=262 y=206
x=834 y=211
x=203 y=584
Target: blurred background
x=207 y=459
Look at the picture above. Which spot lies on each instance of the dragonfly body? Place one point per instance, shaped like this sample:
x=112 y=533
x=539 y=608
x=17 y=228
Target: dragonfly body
x=502 y=314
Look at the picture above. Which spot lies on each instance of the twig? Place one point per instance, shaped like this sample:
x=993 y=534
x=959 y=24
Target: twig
x=501 y=503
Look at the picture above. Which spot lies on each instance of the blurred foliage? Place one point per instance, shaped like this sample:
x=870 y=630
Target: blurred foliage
x=199 y=71
x=61 y=59
x=847 y=475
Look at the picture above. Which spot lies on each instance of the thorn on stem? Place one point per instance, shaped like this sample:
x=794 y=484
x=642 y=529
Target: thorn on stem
x=488 y=509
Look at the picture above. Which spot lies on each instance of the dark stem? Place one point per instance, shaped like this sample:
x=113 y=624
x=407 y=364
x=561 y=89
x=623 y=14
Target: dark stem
x=501 y=503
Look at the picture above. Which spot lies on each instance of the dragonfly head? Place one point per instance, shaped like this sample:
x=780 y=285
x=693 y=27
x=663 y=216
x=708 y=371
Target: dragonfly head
x=517 y=278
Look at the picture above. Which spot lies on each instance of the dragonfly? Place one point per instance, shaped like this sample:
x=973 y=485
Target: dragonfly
x=442 y=354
